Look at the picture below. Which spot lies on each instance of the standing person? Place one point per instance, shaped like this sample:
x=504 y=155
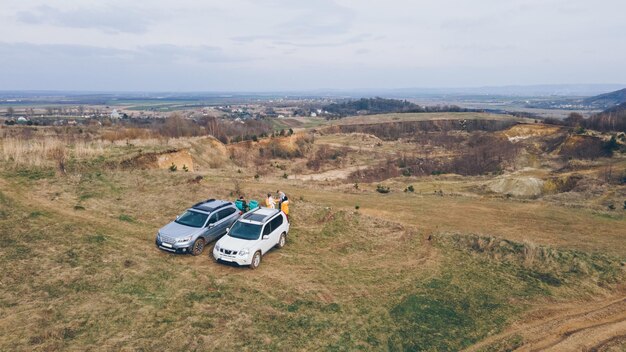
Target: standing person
x=284 y=207
x=270 y=202
x=281 y=197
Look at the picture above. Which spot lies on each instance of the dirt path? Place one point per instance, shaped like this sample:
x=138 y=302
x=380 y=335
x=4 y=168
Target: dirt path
x=329 y=175
x=593 y=326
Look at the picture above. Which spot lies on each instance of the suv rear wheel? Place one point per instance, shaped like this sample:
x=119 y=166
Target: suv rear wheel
x=256 y=260
x=198 y=247
x=282 y=240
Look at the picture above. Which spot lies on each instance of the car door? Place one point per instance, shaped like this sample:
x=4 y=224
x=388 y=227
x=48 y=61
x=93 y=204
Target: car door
x=233 y=214
x=266 y=243
x=276 y=227
x=212 y=230
x=225 y=217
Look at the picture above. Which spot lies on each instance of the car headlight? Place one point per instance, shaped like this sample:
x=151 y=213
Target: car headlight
x=217 y=247
x=184 y=239
x=244 y=252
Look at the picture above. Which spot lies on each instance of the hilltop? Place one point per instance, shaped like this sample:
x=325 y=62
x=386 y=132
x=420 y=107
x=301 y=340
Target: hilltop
x=606 y=101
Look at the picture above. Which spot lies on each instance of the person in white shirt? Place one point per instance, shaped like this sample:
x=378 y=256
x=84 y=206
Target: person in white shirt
x=270 y=202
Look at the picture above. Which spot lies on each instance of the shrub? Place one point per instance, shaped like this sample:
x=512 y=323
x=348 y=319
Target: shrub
x=185 y=168
x=173 y=167
x=285 y=176
x=410 y=189
x=357 y=207
x=382 y=189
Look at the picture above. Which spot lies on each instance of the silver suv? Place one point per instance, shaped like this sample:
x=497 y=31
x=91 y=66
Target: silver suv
x=205 y=222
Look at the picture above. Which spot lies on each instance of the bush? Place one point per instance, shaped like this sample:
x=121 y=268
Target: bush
x=382 y=189
x=173 y=167
x=185 y=168
x=410 y=189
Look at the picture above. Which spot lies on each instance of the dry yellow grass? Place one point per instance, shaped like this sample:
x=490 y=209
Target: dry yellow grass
x=368 y=279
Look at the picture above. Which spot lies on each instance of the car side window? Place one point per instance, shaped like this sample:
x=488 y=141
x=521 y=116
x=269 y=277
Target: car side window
x=213 y=219
x=223 y=214
x=267 y=229
x=276 y=222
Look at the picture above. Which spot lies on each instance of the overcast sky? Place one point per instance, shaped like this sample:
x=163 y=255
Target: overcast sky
x=264 y=45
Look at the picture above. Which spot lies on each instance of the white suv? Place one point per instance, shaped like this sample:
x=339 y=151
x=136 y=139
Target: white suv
x=255 y=233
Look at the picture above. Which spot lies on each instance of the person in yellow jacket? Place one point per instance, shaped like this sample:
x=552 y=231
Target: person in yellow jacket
x=284 y=207
x=270 y=202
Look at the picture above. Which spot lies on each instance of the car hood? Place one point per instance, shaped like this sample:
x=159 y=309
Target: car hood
x=175 y=230
x=237 y=244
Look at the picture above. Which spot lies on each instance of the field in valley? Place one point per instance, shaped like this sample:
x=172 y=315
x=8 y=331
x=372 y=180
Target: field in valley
x=442 y=261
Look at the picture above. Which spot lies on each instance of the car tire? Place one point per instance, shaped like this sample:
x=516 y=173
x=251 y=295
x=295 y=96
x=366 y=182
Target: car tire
x=282 y=240
x=256 y=260
x=198 y=247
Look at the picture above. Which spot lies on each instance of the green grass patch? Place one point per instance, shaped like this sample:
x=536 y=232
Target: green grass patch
x=34 y=174
x=126 y=218
x=96 y=239
x=202 y=296
x=36 y=214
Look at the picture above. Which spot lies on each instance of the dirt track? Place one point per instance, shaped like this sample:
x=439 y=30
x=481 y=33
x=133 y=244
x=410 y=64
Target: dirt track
x=597 y=326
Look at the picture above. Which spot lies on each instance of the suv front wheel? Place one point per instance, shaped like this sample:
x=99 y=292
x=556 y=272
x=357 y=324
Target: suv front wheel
x=256 y=260
x=198 y=247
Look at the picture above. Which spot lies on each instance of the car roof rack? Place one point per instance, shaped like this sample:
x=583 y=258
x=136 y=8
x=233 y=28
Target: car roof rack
x=203 y=202
x=254 y=216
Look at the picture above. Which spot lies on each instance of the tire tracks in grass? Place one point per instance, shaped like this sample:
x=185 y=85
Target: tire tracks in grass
x=574 y=327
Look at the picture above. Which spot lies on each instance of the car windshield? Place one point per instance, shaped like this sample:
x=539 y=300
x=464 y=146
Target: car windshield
x=245 y=231
x=192 y=218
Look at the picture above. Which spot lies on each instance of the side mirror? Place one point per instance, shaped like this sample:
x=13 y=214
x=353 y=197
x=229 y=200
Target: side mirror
x=227 y=229
x=266 y=237
x=177 y=217
x=211 y=225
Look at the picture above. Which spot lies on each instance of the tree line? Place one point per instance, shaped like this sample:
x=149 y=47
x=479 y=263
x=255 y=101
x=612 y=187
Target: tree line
x=372 y=106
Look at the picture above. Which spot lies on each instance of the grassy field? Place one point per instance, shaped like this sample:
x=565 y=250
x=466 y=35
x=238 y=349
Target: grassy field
x=82 y=272
x=445 y=267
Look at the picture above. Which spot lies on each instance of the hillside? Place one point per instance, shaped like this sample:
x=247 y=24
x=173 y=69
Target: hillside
x=606 y=101
x=491 y=231
x=612 y=119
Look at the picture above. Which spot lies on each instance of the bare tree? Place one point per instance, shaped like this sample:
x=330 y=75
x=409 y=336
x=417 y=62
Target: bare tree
x=10 y=111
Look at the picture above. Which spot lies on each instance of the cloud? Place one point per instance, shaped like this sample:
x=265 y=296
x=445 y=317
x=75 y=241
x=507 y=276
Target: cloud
x=347 y=41
x=108 y=19
x=306 y=21
x=159 y=54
